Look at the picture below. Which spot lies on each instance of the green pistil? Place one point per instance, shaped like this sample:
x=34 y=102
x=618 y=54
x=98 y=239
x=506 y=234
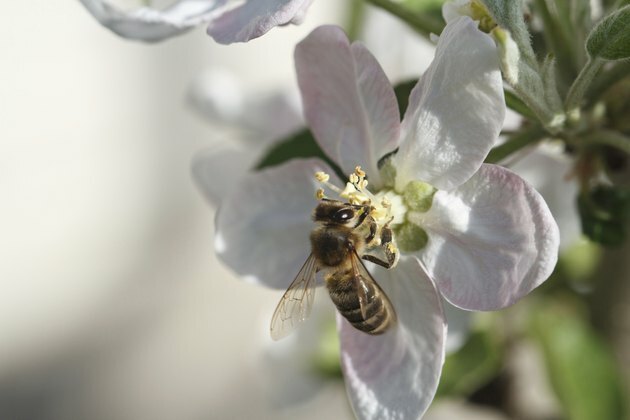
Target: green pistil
x=418 y=196
x=410 y=237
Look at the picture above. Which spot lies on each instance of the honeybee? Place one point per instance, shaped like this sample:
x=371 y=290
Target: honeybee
x=345 y=234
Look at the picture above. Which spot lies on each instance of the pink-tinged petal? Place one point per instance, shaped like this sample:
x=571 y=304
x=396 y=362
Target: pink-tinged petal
x=395 y=375
x=255 y=18
x=263 y=226
x=348 y=101
x=455 y=112
x=491 y=241
x=150 y=24
x=548 y=171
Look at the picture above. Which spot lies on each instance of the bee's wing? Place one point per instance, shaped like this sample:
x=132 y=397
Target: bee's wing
x=362 y=279
x=296 y=303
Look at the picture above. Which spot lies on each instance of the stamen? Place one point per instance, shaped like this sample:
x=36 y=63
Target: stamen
x=320 y=194
x=323 y=178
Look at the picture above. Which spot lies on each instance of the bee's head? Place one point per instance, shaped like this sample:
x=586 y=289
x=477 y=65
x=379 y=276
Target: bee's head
x=333 y=212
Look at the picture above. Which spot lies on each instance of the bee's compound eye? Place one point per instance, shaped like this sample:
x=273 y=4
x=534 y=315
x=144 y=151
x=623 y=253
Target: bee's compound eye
x=343 y=215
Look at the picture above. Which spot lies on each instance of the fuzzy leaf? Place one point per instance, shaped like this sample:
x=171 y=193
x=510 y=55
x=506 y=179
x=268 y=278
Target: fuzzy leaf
x=610 y=39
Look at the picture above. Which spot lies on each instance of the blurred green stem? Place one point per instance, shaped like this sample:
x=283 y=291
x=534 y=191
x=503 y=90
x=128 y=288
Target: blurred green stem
x=514 y=143
x=354 y=19
x=610 y=138
x=420 y=22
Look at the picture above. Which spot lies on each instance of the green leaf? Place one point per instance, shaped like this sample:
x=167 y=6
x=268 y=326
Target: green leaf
x=472 y=366
x=605 y=212
x=582 y=369
x=299 y=145
x=402 y=91
x=610 y=38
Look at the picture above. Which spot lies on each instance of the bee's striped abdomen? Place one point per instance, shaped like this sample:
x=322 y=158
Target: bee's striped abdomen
x=342 y=289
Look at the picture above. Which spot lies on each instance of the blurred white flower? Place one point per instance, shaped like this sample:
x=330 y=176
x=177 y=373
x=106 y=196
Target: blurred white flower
x=254 y=122
x=227 y=24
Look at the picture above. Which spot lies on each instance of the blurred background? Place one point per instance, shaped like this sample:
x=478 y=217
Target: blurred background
x=112 y=303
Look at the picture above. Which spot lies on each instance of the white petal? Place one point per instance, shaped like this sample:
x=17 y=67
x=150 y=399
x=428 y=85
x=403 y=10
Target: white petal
x=348 y=101
x=548 y=172
x=150 y=24
x=455 y=111
x=395 y=375
x=255 y=18
x=263 y=226
x=491 y=241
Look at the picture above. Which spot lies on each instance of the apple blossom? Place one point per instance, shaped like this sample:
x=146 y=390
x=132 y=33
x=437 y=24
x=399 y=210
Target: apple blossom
x=475 y=234
x=226 y=23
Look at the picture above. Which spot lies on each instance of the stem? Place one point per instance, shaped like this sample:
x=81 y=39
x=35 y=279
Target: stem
x=610 y=138
x=516 y=104
x=557 y=41
x=420 y=22
x=515 y=143
x=581 y=83
x=355 y=18
x=552 y=121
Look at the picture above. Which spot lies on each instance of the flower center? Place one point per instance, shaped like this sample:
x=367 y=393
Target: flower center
x=388 y=206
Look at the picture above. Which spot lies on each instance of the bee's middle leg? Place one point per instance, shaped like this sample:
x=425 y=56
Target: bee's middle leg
x=390 y=251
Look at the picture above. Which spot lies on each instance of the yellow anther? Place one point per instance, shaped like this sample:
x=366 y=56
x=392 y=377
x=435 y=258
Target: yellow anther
x=360 y=173
x=319 y=194
x=322 y=176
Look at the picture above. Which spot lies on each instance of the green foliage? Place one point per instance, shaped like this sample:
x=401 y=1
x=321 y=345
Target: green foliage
x=326 y=359
x=402 y=91
x=605 y=213
x=472 y=366
x=582 y=369
x=427 y=6
x=610 y=39
x=299 y=145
